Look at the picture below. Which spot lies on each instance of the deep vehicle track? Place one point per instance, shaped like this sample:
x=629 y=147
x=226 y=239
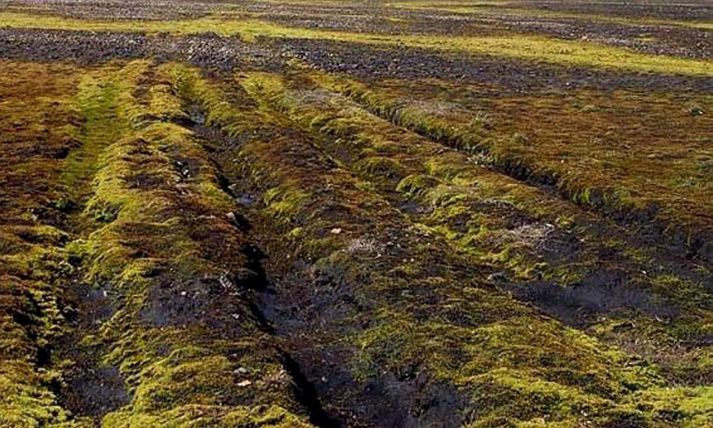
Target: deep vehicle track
x=253 y=145
x=336 y=269
x=469 y=205
x=292 y=215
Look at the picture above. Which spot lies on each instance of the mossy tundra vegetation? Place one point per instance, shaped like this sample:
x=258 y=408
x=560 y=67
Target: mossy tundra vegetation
x=295 y=214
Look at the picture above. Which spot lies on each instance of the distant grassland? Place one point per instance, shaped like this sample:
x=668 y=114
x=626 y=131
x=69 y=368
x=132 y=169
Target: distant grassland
x=486 y=9
x=536 y=48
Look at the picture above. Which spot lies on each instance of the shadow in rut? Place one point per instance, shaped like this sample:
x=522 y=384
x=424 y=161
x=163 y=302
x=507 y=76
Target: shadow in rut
x=254 y=277
x=307 y=394
x=601 y=293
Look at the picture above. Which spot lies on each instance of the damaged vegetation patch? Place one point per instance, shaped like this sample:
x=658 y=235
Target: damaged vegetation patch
x=125 y=275
x=182 y=334
x=641 y=172
x=355 y=214
x=420 y=318
x=562 y=258
x=37 y=124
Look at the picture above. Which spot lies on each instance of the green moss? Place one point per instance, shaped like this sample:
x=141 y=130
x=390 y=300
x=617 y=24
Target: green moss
x=381 y=166
x=101 y=95
x=37 y=122
x=164 y=105
x=512 y=365
x=284 y=201
x=416 y=185
x=686 y=407
x=156 y=218
x=196 y=416
x=26 y=403
x=518 y=369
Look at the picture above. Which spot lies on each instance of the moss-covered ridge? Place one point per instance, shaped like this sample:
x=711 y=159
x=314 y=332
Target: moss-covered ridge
x=555 y=250
x=415 y=311
x=625 y=194
x=181 y=332
x=37 y=127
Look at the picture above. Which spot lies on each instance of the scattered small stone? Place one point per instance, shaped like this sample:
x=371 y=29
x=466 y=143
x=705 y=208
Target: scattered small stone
x=696 y=111
x=225 y=281
x=244 y=383
x=245 y=200
x=496 y=276
x=238 y=220
x=336 y=231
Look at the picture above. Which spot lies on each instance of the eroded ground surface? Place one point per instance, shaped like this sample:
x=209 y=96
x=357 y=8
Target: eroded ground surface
x=242 y=214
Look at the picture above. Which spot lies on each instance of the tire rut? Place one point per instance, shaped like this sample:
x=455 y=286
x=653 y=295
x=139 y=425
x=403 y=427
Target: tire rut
x=216 y=141
x=91 y=388
x=165 y=288
x=390 y=326
x=660 y=232
x=523 y=248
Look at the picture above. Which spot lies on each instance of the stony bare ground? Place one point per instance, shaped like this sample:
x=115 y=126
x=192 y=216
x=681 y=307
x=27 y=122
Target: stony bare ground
x=247 y=214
